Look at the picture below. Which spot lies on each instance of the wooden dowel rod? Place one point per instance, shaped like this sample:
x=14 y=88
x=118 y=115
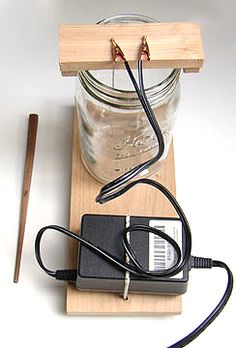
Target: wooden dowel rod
x=29 y=161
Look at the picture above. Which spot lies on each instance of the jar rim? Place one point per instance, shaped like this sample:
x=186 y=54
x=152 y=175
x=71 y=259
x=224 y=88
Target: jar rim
x=90 y=77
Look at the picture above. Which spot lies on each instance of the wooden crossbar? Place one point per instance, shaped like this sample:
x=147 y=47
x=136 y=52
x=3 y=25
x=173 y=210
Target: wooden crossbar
x=88 y=47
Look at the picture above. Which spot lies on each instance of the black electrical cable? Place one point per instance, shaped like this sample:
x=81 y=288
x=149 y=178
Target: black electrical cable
x=216 y=311
x=115 y=189
x=112 y=189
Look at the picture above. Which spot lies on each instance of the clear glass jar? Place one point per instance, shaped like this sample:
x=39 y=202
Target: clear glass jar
x=115 y=134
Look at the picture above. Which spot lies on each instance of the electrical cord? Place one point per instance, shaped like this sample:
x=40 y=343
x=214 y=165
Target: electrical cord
x=217 y=310
x=116 y=188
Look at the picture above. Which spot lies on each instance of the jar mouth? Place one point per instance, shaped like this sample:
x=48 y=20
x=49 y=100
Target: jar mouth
x=163 y=83
x=116 y=96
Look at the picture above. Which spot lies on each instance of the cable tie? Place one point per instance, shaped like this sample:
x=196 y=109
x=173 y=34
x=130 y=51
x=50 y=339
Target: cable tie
x=127 y=274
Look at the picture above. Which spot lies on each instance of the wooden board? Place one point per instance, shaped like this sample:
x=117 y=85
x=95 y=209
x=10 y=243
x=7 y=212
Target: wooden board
x=88 y=47
x=141 y=200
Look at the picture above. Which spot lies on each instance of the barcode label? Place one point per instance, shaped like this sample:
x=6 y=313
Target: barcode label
x=161 y=253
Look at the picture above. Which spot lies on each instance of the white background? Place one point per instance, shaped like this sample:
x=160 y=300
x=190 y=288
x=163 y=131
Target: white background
x=32 y=312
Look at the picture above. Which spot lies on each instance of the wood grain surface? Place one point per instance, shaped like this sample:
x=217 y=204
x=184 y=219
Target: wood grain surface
x=88 y=47
x=29 y=161
x=141 y=200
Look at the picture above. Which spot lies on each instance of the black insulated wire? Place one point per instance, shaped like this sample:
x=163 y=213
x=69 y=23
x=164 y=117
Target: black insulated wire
x=216 y=311
x=114 y=188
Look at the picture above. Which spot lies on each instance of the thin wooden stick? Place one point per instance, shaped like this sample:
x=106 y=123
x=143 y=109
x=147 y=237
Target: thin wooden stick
x=29 y=161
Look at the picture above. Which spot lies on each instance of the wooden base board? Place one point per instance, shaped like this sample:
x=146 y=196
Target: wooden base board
x=84 y=189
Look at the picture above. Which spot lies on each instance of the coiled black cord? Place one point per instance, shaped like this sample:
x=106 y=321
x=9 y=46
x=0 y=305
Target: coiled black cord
x=134 y=267
x=115 y=189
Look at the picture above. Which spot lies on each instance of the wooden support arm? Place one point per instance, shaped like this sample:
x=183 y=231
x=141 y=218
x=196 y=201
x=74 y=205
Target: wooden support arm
x=88 y=47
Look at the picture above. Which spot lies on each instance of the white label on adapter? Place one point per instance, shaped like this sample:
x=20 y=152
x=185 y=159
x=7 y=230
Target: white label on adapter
x=161 y=253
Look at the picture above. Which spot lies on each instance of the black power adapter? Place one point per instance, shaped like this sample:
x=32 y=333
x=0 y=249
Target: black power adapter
x=151 y=251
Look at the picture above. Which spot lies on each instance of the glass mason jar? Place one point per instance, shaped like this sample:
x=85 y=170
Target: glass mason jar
x=115 y=134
